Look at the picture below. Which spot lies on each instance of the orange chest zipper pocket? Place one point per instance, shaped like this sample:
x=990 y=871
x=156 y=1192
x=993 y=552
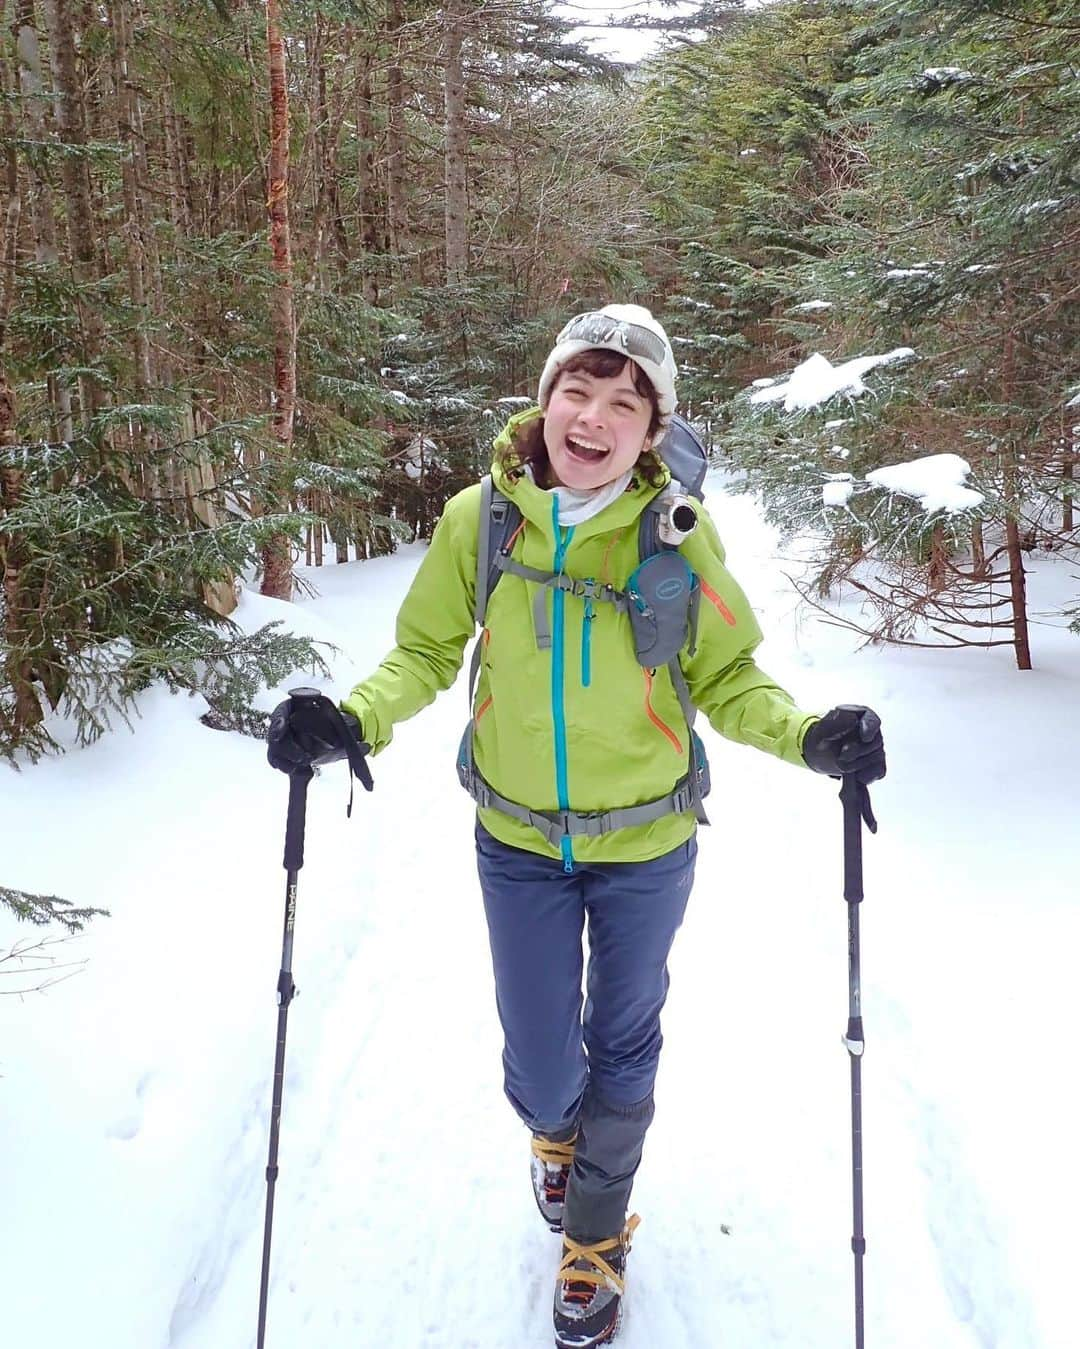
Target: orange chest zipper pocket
x=485 y=639
x=660 y=725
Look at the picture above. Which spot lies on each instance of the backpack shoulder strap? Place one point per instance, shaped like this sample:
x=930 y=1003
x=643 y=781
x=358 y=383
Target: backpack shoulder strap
x=649 y=543
x=483 y=548
x=499 y=518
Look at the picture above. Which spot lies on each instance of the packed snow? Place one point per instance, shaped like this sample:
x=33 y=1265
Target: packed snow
x=936 y=481
x=816 y=380
x=136 y=1093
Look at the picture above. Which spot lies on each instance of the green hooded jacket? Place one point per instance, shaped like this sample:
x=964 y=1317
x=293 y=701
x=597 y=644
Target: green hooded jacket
x=580 y=726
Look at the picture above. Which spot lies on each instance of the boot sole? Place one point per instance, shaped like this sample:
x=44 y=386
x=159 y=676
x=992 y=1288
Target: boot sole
x=591 y=1342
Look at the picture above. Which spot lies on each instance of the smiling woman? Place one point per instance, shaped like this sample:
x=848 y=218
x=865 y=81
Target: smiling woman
x=582 y=758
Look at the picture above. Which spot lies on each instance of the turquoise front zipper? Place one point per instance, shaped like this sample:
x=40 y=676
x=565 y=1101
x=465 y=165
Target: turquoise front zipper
x=586 y=644
x=558 y=711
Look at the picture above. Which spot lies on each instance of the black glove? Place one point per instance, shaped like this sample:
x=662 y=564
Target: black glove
x=308 y=733
x=846 y=740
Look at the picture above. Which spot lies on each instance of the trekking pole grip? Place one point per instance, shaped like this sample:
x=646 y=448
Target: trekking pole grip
x=295 y=820
x=855 y=797
x=298 y=785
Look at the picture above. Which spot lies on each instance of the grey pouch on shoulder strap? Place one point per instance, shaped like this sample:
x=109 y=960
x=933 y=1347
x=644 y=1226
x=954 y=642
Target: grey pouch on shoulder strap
x=663 y=594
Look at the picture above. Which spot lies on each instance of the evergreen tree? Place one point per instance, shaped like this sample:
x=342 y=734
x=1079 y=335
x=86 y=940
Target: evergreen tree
x=739 y=128
x=948 y=230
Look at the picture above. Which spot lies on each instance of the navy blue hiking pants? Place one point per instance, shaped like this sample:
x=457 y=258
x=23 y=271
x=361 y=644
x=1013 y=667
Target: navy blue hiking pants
x=584 y=1064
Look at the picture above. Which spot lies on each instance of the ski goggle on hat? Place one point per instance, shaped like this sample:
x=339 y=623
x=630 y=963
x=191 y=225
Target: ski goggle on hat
x=629 y=329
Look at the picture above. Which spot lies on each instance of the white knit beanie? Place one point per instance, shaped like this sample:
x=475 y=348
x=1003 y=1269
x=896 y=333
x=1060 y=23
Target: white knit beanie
x=629 y=329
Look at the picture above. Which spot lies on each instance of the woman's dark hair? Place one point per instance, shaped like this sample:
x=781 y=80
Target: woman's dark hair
x=528 y=446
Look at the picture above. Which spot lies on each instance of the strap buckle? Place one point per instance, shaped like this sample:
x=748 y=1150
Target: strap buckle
x=596 y=823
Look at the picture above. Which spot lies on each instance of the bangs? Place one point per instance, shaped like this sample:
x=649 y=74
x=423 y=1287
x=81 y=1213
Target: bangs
x=604 y=364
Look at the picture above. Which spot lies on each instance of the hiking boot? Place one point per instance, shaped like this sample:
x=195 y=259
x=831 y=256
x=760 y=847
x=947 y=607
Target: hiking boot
x=589 y=1290
x=551 y=1162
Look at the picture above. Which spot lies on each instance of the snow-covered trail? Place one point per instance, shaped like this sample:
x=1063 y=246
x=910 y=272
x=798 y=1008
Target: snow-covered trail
x=404 y=1218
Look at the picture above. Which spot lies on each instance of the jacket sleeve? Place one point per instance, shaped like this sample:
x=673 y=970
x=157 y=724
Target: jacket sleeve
x=434 y=623
x=741 y=701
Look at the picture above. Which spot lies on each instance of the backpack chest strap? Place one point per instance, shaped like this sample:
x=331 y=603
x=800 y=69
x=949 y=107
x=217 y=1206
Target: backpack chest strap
x=570 y=585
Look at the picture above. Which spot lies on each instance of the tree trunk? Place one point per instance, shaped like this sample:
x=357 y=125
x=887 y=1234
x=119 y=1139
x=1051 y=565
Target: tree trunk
x=26 y=709
x=978 y=550
x=456 y=212
x=277 y=553
x=9 y=243
x=1018 y=591
x=1012 y=494
x=135 y=250
x=75 y=175
x=181 y=201
x=42 y=207
x=397 y=216
x=937 y=570
x=365 y=178
x=327 y=229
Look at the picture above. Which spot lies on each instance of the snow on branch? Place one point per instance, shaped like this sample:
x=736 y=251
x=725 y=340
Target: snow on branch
x=936 y=481
x=817 y=380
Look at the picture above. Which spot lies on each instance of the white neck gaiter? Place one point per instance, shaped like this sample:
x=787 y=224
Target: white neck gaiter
x=577 y=505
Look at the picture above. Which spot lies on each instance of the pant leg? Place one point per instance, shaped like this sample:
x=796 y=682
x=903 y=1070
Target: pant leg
x=536 y=916
x=634 y=911
x=606 y=1159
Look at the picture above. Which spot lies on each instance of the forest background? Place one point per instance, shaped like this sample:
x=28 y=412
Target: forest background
x=273 y=274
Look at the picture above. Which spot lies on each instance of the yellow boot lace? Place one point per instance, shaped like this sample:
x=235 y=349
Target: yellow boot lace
x=601 y=1273
x=552 y=1153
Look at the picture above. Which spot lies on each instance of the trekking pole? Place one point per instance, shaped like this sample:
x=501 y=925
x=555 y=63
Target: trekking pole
x=287 y=990
x=856 y=801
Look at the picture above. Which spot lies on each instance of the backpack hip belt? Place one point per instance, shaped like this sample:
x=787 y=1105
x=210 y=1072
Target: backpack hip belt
x=555 y=825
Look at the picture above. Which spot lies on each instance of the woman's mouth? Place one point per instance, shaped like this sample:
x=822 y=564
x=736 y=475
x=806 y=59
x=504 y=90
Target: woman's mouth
x=587 y=451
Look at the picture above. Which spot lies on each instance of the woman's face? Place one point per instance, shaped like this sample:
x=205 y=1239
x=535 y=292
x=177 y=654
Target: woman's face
x=595 y=428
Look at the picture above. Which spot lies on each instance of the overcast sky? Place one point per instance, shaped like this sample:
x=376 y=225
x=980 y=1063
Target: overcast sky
x=622 y=46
